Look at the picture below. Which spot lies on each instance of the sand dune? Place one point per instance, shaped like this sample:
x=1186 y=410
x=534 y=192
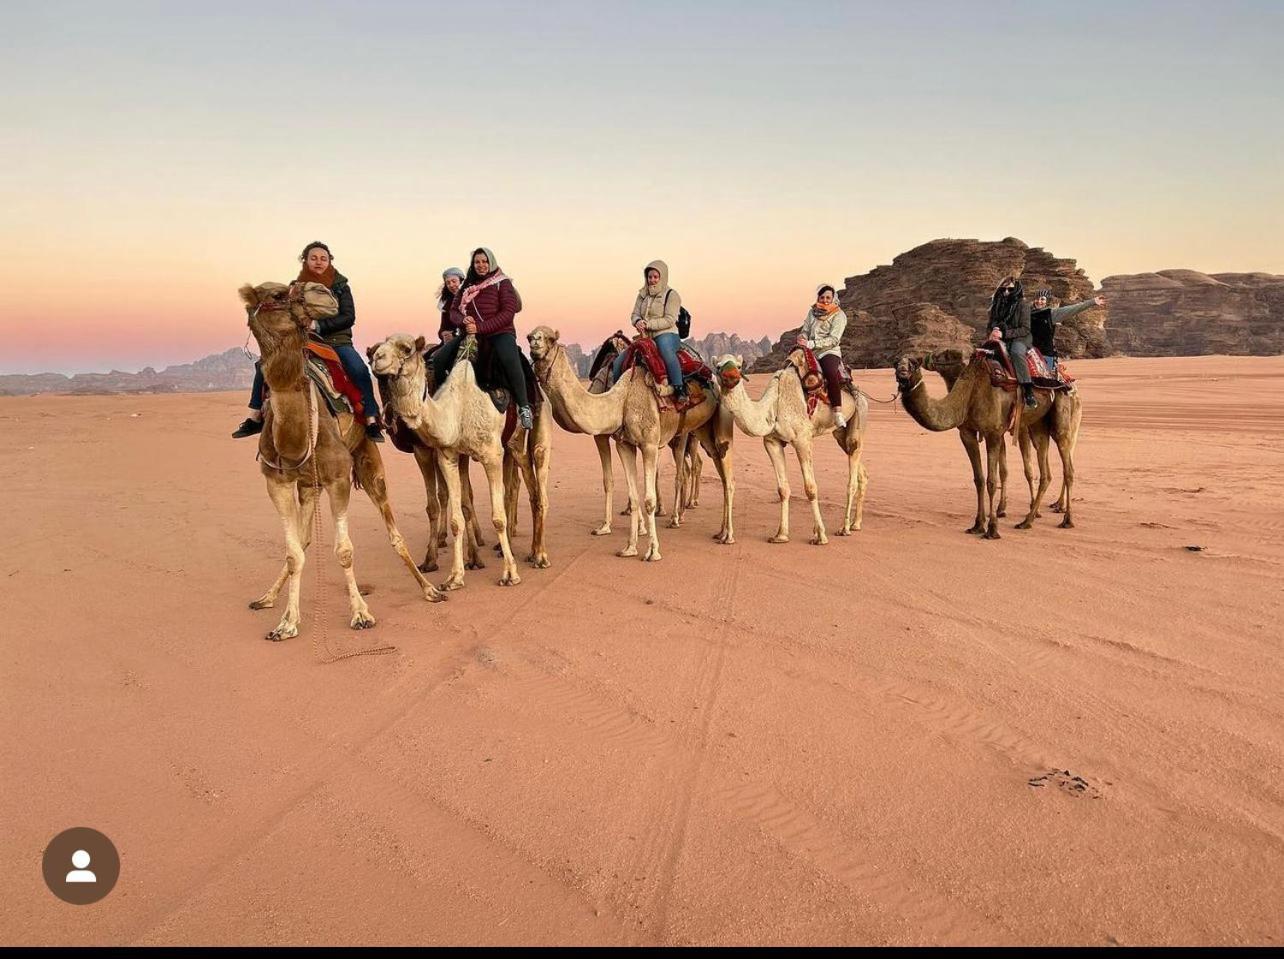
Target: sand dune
x=909 y=736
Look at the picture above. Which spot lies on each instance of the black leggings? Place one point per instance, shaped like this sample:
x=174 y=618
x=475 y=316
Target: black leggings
x=505 y=350
x=832 y=367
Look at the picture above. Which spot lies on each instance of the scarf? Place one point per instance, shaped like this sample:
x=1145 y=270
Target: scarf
x=820 y=312
x=326 y=279
x=469 y=293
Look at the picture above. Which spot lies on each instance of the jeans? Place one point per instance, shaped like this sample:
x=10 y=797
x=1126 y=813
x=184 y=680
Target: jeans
x=353 y=365
x=668 y=344
x=1016 y=350
x=1051 y=360
x=504 y=349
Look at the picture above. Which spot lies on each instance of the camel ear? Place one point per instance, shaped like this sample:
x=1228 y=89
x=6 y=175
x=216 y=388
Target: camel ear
x=370 y=351
x=248 y=296
x=557 y=335
x=421 y=345
x=740 y=360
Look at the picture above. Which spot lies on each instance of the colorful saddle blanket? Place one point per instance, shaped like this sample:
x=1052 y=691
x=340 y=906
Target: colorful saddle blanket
x=999 y=362
x=325 y=369
x=813 y=379
x=695 y=372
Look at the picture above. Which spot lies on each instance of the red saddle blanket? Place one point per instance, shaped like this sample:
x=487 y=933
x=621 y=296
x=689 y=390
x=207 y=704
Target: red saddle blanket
x=999 y=362
x=324 y=356
x=695 y=372
x=813 y=379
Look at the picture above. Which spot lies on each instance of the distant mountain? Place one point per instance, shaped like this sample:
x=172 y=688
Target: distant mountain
x=229 y=370
x=716 y=344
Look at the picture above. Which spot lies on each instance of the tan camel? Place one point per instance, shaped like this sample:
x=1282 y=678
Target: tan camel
x=950 y=364
x=630 y=411
x=460 y=420
x=304 y=450
x=981 y=410
x=780 y=417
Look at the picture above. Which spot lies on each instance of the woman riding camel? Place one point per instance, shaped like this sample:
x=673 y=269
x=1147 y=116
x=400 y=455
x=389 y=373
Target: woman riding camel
x=485 y=306
x=655 y=314
x=1010 y=322
x=1044 y=321
x=822 y=333
x=336 y=331
x=452 y=278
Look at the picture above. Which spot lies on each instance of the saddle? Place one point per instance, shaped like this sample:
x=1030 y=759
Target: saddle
x=695 y=373
x=1002 y=375
x=813 y=380
x=325 y=369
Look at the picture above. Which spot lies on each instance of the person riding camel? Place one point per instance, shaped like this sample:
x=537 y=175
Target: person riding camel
x=822 y=333
x=1010 y=322
x=1044 y=322
x=452 y=278
x=655 y=314
x=336 y=331
x=485 y=306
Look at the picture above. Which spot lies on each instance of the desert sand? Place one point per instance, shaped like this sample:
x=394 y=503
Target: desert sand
x=908 y=736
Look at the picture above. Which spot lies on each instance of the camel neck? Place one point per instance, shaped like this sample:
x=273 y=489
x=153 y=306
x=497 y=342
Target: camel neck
x=283 y=361
x=428 y=417
x=575 y=408
x=946 y=413
x=754 y=417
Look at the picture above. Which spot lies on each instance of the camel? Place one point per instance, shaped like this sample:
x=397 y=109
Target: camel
x=694 y=466
x=780 y=417
x=460 y=420
x=304 y=450
x=630 y=411
x=950 y=364
x=978 y=409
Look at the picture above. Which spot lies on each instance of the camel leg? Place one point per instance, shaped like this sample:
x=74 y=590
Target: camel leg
x=443 y=505
x=679 y=450
x=1067 y=432
x=857 y=481
x=726 y=473
x=1024 y=441
x=972 y=443
x=776 y=451
x=603 y=444
x=449 y=464
x=651 y=473
x=339 y=493
x=629 y=461
x=499 y=520
x=1065 y=448
x=994 y=450
x=368 y=465
x=535 y=473
x=1003 y=480
x=802 y=449
x=427 y=462
x=695 y=466
x=514 y=466
x=287 y=508
x=307 y=506
x=473 y=541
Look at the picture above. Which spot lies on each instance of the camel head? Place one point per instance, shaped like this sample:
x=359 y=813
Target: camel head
x=909 y=372
x=944 y=361
x=730 y=371
x=272 y=313
x=543 y=342
x=400 y=355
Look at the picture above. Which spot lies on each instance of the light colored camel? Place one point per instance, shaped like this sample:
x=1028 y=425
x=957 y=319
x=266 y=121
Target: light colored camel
x=304 y=450
x=984 y=411
x=460 y=420
x=630 y=412
x=780 y=417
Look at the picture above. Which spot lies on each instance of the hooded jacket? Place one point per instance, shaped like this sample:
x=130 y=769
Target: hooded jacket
x=657 y=308
x=493 y=309
x=337 y=330
x=825 y=334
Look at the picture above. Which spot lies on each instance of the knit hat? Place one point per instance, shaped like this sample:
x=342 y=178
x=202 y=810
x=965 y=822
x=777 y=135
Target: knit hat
x=1043 y=292
x=447 y=273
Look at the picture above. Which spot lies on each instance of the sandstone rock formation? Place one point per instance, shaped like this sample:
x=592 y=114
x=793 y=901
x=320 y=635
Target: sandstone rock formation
x=938 y=295
x=1185 y=313
x=716 y=344
x=229 y=370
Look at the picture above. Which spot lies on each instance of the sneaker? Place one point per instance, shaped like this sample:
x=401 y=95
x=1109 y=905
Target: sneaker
x=250 y=427
x=840 y=421
x=525 y=417
x=374 y=433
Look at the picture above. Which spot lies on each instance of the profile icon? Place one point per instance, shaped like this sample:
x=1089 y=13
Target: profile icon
x=80 y=859
x=81 y=866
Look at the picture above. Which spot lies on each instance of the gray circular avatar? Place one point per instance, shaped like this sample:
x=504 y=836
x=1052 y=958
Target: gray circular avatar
x=81 y=866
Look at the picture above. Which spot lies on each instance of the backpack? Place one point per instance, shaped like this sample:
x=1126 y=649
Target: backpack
x=684 y=318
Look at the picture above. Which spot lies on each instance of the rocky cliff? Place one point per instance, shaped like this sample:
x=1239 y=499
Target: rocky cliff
x=1185 y=313
x=938 y=295
x=716 y=344
x=229 y=370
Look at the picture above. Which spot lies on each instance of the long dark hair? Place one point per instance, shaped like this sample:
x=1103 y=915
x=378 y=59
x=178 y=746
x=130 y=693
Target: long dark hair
x=472 y=278
x=1005 y=309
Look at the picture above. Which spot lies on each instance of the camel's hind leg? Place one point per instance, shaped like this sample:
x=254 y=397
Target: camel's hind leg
x=994 y=451
x=603 y=444
x=1003 y=479
x=1066 y=449
x=536 y=467
x=499 y=519
x=857 y=484
x=802 y=449
x=629 y=460
x=368 y=466
x=514 y=467
x=651 y=474
x=283 y=498
x=1038 y=435
x=776 y=451
x=972 y=443
x=722 y=462
x=1067 y=432
x=695 y=467
x=679 y=449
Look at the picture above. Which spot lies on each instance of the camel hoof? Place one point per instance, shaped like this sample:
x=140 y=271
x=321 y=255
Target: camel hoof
x=452 y=584
x=540 y=562
x=992 y=533
x=627 y=551
x=1065 y=524
x=819 y=540
x=441 y=541
x=845 y=531
x=1024 y=524
x=262 y=603
x=977 y=530
x=499 y=550
x=434 y=595
x=601 y=531
x=1001 y=513
x=723 y=539
x=627 y=511
x=428 y=567
x=674 y=523
x=510 y=579
x=652 y=556
x=282 y=632
x=474 y=564
x=778 y=539
x=362 y=620
x=1055 y=508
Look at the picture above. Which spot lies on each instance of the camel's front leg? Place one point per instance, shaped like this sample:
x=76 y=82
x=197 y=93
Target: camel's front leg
x=723 y=463
x=1027 y=466
x=629 y=460
x=651 y=472
x=972 y=443
x=369 y=467
x=514 y=467
x=287 y=508
x=776 y=451
x=802 y=449
x=307 y=504
x=499 y=519
x=535 y=470
x=448 y=461
x=603 y=444
x=1065 y=447
x=339 y=492
x=1003 y=479
x=856 y=482
x=994 y=452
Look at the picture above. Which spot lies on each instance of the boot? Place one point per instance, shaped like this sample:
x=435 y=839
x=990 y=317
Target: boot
x=1027 y=392
x=840 y=421
x=251 y=427
x=374 y=433
x=526 y=417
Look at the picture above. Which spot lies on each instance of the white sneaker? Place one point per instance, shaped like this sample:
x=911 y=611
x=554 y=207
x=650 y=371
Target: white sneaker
x=840 y=421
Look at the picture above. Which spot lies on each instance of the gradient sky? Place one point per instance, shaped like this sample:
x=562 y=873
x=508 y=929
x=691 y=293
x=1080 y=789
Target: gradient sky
x=158 y=155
